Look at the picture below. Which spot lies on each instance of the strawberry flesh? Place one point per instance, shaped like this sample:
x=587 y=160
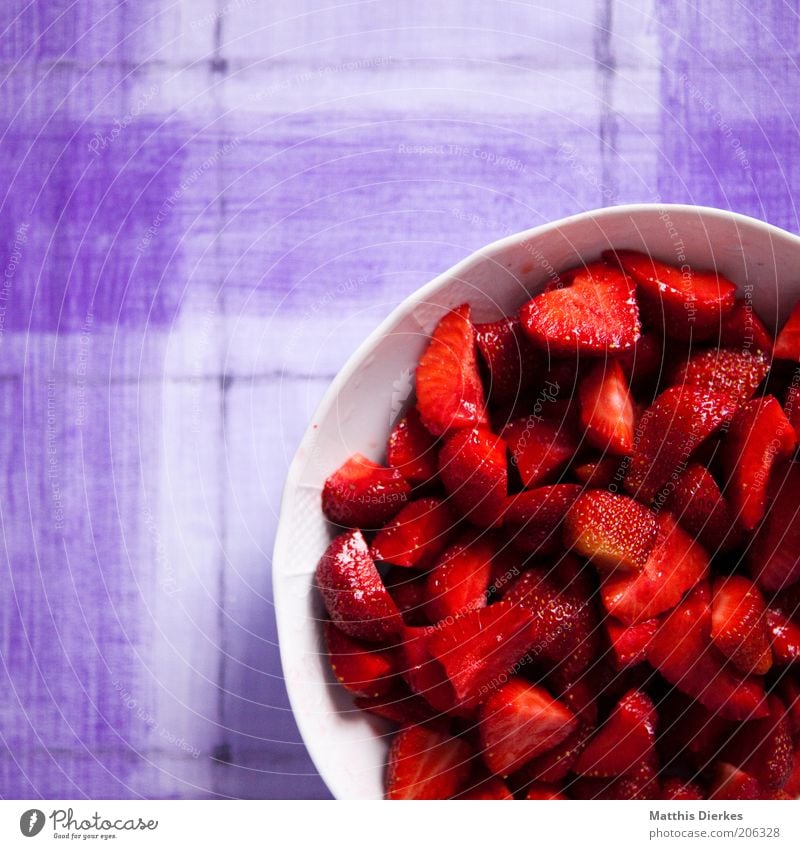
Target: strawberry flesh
x=539 y=447
x=533 y=518
x=459 y=581
x=742 y=328
x=359 y=668
x=629 y=643
x=606 y=408
x=787 y=345
x=736 y=373
x=416 y=535
x=512 y=361
x=426 y=763
x=702 y=510
x=411 y=449
x=738 y=624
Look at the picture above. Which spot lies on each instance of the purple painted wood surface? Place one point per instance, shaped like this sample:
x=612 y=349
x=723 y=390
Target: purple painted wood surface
x=204 y=207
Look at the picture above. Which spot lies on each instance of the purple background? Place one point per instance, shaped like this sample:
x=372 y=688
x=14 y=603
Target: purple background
x=206 y=205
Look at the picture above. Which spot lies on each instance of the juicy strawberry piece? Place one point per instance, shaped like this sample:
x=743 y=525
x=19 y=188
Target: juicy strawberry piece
x=629 y=643
x=736 y=373
x=674 y=566
x=518 y=722
x=426 y=763
x=490 y=789
x=678 y=421
x=738 y=625
x=683 y=653
x=763 y=747
x=732 y=784
x=544 y=792
x=363 y=494
x=540 y=447
x=472 y=466
x=681 y=791
x=533 y=518
x=774 y=556
x=425 y=675
x=601 y=472
x=555 y=764
x=416 y=535
x=787 y=345
x=606 y=408
x=791 y=407
x=580 y=695
x=596 y=314
x=408 y=591
x=412 y=449
x=399 y=705
x=459 y=581
x=613 y=531
x=760 y=435
x=685 y=302
x=645 y=360
x=701 y=509
x=449 y=389
x=512 y=361
x=742 y=328
x=353 y=592
x=784 y=637
x=640 y=783
x=626 y=738
x=358 y=667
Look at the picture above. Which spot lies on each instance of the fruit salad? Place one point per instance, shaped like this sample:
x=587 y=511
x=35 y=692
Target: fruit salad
x=575 y=572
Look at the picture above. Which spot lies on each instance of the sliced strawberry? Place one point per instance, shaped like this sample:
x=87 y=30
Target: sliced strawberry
x=359 y=667
x=738 y=624
x=678 y=421
x=760 y=435
x=700 y=507
x=540 y=447
x=472 y=466
x=513 y=363
x=490 y=789
x=640 y=783
x=787 y=345
x=408 y=591
x=412 y=449
x=731 y=784
x=606 y=408
x=399 y=705
x=683 y=653
x=601 y=472
x=629 y=643
x=353 y=592
x=679 y=790
x=449 y=389
x=763 y=747
x=426 y=763
x=742 y=328
x=674 y=566
x=363 y=494
x=518 y=722
x=580 y=694
x=791 y=407
x=774 y=556
x=461 y=578
x=784 y=637
x=533 y=518
x=736 y=373
x=539 y=791
x=425 y=675
x=613 y=531
x=684 y=302
x=555 y=764
x=644 y=362
x=416 y=535
x=596 y=314
x=626 y=738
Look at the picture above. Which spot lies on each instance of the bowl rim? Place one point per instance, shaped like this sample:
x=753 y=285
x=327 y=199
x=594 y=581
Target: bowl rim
x=354 y=360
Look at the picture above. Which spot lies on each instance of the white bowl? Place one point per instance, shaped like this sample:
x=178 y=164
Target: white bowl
x=348 y=746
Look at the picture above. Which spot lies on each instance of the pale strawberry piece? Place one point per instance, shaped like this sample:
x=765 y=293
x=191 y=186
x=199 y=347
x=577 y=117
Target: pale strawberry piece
x=731 y=784
x=449 y=388
x=544 y=792
x=359 y=667
x=362 y=494
x=513 y=363
x=679 y=790
x=417 y=534
x=606 y=408
x=784 y=637
x=411 y=449
x=518 y=722
x=787 y=345
x=596 y=313
x=736 y=373
x=460 y=579
x=533 y=518
x=742 y=328
x=738 y=624
x=702 y=510
x=426 y=763
x=540 y=447
x=629 y=643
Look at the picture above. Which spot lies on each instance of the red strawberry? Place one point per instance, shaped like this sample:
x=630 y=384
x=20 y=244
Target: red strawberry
x=595 y=314
x=787 y=345
x=544 y=792
x=645 y=360
x=449 y=389
x=613 y=531
x=533 y=518
x=791 y=407
x=679 y=420
x=412 y=449
x=674 y=566
x=629 y=643
x=472 y=466
x=353 y=592
x=363 y=494
x=555 y=764
x=424 y=674
x=738 y=625
x=792 y=786
x=774 y=556
x=358 y=667
x=742 y=328
x=700 y=508
x=601 y=472
x=683 y=653
x=518 y=722
x=399 y=705
x=760 y=435
x=490 y=789
x=784 y=637
x=731 y=784
x=685 y=302
x=640 y=783
x=540 y=447
x=461 y=578
x=736 y=373
x=416 y=535
x=513 y=363
x=426 y=763
x=606 y=408
x=407 y=589
x=627 y=738
x=790 y=693
x=580 y=694
x=678 y=790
